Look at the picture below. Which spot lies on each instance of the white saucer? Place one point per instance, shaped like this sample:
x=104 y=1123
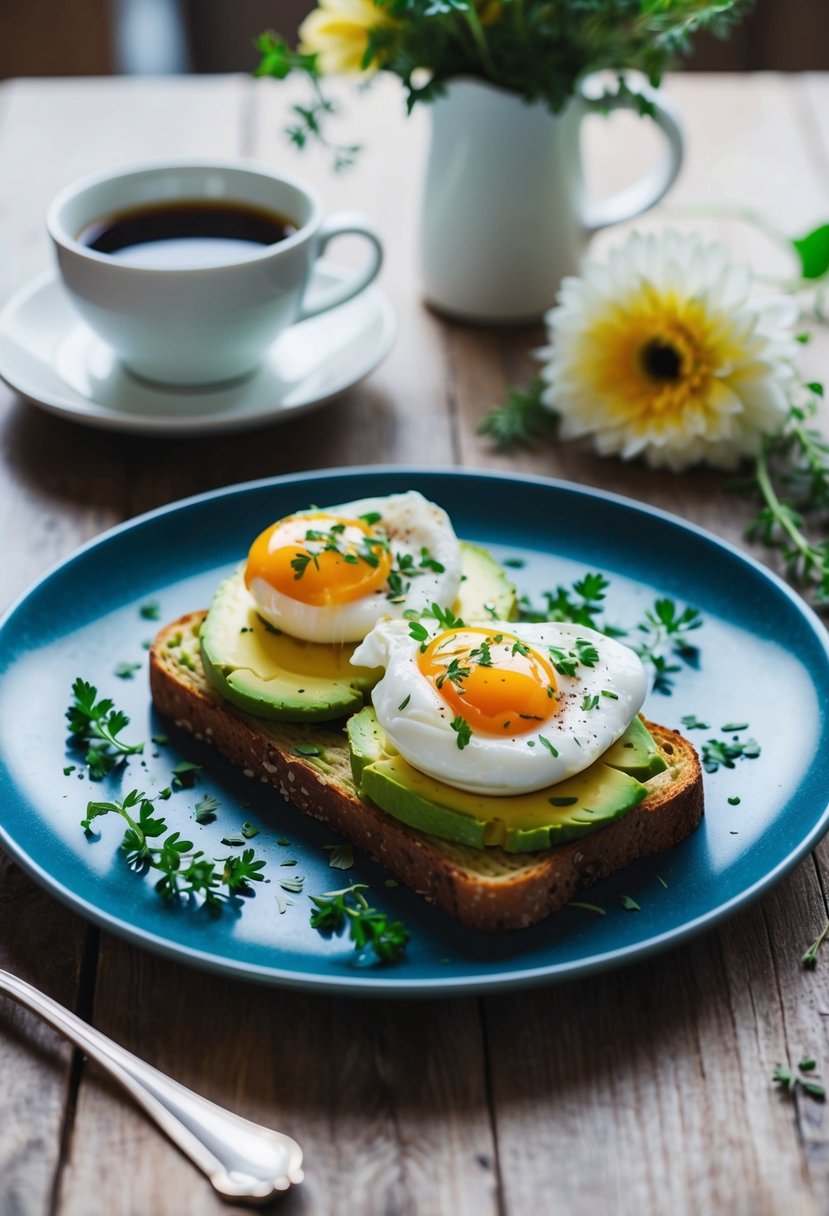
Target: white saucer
x=50 y=357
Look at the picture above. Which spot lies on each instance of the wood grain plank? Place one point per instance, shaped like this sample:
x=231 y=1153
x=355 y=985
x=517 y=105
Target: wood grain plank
x=386 y=1099
x=42 y=943
x=649 y=1091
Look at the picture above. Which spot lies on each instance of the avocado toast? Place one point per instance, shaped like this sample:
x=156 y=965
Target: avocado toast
x=488 y=888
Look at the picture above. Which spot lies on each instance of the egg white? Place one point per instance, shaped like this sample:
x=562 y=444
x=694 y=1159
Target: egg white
x=412 y=523
x=418 y=721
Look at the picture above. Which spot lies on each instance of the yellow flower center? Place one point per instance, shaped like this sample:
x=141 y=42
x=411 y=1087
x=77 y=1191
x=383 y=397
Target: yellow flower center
x=653 y=358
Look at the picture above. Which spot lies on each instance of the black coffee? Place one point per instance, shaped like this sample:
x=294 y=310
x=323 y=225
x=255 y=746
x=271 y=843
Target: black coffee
x=186 y=233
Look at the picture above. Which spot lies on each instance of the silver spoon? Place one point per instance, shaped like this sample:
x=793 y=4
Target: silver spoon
x=242 y=1160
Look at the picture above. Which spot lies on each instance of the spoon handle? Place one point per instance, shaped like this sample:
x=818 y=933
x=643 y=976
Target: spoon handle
x=242 y=1160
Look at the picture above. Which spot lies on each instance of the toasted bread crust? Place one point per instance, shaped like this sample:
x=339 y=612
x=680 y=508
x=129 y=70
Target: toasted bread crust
x=494 y=893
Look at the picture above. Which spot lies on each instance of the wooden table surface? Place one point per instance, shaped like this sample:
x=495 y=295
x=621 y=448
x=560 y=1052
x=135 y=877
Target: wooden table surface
x=643 y=1091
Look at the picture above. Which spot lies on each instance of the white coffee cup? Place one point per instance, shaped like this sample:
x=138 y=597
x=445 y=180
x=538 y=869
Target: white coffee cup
x=212 y=322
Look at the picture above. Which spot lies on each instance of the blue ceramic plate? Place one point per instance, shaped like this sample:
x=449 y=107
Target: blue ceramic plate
x=764 y=661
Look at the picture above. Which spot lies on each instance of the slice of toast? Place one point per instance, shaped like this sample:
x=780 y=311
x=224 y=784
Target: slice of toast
x=487 y=889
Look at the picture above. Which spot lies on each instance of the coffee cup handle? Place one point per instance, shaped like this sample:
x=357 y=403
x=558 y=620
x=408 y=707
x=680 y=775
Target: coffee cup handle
x=644 y=194
x=345 y=223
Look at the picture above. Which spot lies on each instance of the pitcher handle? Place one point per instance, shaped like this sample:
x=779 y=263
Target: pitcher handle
x=346 y=223
x=645 y=193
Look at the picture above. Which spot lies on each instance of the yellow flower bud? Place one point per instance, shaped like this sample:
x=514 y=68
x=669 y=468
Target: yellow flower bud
x=337 y=32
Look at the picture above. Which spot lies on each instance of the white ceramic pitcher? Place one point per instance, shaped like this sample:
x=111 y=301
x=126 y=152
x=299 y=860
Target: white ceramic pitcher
x=503 y=215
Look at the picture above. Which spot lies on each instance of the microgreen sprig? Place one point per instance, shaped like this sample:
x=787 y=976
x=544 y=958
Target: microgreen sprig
x=809 y=958
x=368 y=928
x=184 y=871
x=791 y=479
x=98 y=725
x=788 y=1080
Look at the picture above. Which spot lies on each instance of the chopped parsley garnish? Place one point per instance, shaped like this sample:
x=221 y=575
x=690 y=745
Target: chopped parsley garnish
x=546 y=743
x=249 y=830
x=734 y=800
x=427 y=562
x=151 y=611
x=125 y=671
x=445 y=617
x=482 y=654
x=575 y=903
x=206 y=809
x=405 y=701
x=420 y=633
x=307 y=749
x=724 y=753
x=185 y=774
x=340 y=856
x=562 y=801
x=454 y=673
x=300 y=563
x=97 y=725
x=582 y=653
x=184 y=872
x=463 y=730
x=612 y=696
x=629 y=903
x=692 y=722
x=368 y=928
x=731 y=728
x=590 y=702
x=332 y=541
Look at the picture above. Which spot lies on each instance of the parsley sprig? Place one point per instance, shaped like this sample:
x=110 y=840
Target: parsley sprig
x=809 y=958
x=661 y=637
x=308 y=121
x=791 y=478
x=664 y=636
x=368 y=928
x=582 y=653
x=788 y=1080
x=581 y=604
x=97 y=725
x=522 y=420
x=183 y=870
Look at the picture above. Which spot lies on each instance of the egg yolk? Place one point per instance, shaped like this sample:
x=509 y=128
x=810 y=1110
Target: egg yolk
x=321 y=560
x=493 y=680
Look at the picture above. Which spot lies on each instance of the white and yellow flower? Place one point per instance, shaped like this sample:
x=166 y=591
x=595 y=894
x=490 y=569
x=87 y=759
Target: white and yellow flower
x=661 y=353
x=337 y=32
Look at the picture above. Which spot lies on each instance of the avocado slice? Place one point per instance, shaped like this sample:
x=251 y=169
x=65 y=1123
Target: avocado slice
x=520 y=824
x=272 y=675
x=636 y=753
x=485 y=592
